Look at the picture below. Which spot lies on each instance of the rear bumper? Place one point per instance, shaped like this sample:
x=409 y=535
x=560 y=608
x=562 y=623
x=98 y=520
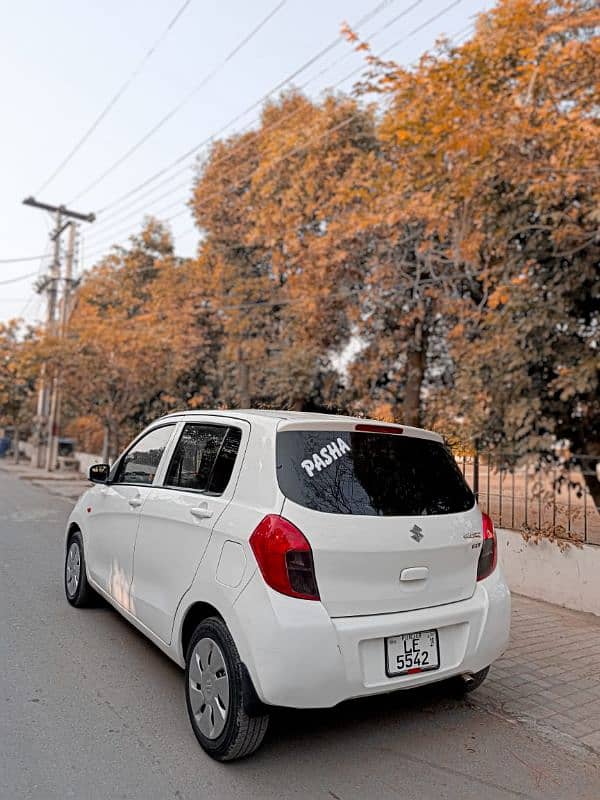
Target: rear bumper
x=298 y=656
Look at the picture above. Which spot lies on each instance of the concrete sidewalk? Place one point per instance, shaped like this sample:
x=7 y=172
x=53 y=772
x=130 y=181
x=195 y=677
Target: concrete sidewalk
x=64 y=484
x=549 y=678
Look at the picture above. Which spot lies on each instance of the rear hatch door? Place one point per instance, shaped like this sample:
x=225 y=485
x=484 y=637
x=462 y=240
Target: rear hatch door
x=391 y=522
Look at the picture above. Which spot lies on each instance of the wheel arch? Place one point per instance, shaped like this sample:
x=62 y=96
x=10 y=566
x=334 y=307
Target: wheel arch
x=195 y=614
x=73 y=528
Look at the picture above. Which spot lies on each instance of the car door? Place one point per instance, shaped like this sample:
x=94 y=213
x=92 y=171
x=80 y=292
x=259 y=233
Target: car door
x=179 y=516
x=114 y=514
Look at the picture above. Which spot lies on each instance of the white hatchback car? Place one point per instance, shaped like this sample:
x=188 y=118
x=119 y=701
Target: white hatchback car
x=290 y=559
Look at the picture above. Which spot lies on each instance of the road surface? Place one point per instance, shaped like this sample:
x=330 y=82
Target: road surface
x=90 y=709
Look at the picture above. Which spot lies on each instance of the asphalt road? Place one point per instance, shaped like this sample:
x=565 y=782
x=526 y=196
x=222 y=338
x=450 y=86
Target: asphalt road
x=90 y=709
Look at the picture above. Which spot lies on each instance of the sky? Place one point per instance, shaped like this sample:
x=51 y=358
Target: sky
x=62 y=62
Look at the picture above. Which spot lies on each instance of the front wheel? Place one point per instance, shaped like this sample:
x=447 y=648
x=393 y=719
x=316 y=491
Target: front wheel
x=214 y=695
x=79 y=592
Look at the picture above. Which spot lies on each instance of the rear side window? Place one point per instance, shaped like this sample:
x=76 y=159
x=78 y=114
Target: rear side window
x=370 y=474
x=204 y=458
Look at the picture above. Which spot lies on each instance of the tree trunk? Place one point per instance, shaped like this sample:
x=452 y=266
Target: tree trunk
x=16 y=454
x=106 y=443
x=593 y=484
x=589 y=469
x=416 y=361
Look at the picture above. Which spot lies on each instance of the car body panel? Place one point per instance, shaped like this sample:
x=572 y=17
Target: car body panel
x=360 y=561
x=299 y=656
x=111 y=526
x=171 y=543
x=299 y=653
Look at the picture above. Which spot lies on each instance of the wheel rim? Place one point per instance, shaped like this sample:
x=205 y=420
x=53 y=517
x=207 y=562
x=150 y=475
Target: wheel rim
x=73 y=568
x=209 y=688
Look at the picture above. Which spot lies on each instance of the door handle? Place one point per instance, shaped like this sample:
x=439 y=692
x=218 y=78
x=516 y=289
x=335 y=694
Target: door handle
x=135 y=502
x=201 y=512
x=414 y=574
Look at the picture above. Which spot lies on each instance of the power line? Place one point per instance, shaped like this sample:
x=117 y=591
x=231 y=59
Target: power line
x=115 y=98
x=185 y=184
x=367 y=17
x=342 y=80
x=178 y=107
x=34 y=294
x=349 y=75
x=420 y=27
x=20 y=278
x=258 y=103
x=283 y=156
x=19 y=260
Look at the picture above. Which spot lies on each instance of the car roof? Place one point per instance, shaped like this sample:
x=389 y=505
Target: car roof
x=268 y=413
x=304 y=417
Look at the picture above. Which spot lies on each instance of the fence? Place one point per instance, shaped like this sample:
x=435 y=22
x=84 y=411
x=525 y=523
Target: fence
x=535 y=495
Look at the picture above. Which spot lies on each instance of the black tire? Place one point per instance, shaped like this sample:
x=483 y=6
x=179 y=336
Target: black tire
x=242 y=734
x=465 y=684
x=79 y=593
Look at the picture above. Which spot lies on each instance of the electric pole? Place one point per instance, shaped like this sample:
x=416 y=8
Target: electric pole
x=48 y=400
x=53 y=429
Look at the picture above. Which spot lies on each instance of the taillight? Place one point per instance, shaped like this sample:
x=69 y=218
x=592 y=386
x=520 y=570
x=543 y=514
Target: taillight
x=284 y=558
x=488 y=556
x=364 y=427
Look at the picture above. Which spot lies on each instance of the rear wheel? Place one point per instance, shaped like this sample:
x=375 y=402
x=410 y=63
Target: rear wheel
x=79 y=592
x=214 y=692
x=464 y=684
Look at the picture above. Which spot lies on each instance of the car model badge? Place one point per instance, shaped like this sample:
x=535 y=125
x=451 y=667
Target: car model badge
x=416 y=533
x=472 y=535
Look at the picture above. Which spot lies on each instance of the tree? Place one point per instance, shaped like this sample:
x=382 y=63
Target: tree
x=495 y=147
x=129 y=338
x=19 y=368
x=282 y=265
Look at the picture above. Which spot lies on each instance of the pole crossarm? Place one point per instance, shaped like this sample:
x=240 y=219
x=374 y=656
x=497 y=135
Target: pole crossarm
x=63 y=210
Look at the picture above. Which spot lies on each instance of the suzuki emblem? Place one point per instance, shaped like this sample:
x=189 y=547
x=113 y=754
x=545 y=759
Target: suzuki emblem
x=416 y=533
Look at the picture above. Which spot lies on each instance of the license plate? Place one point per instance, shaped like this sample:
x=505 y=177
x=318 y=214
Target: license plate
x=410 y=653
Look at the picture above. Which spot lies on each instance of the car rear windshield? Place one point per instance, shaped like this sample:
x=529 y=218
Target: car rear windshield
x=371 y=474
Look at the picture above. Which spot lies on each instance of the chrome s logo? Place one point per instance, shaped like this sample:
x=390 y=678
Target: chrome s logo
x=416 y=533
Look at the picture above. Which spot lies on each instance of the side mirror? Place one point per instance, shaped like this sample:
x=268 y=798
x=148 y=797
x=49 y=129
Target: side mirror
x=98 y=473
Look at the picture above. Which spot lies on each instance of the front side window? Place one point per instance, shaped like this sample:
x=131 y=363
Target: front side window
x=204 y=458
x=140 y=462
x=371 y=474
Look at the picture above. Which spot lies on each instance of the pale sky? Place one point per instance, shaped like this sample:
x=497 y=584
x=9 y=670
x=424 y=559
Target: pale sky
x=62 y=62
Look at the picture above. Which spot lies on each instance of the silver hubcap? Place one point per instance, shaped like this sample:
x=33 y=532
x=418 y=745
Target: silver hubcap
x=73 y=568
x=209 y=688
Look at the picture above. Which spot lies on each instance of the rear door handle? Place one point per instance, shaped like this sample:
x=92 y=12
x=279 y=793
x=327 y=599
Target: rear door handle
x=201 y=512
x=135 y=502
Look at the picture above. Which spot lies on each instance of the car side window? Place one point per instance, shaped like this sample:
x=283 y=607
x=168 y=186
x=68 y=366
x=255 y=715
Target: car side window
x=204 y=457
x=140 y=462
x=225 y=461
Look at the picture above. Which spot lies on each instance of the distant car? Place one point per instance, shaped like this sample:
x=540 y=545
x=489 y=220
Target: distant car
x=289 y=559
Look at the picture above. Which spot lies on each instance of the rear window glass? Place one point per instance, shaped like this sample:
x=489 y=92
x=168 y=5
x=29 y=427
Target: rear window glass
x=371 y=474
x=204 y=458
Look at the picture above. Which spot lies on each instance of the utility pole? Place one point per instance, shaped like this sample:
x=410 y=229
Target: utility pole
x=48 y=400
x=56 y=394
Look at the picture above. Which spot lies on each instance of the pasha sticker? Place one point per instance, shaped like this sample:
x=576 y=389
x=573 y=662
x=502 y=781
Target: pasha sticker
x=325 y=457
